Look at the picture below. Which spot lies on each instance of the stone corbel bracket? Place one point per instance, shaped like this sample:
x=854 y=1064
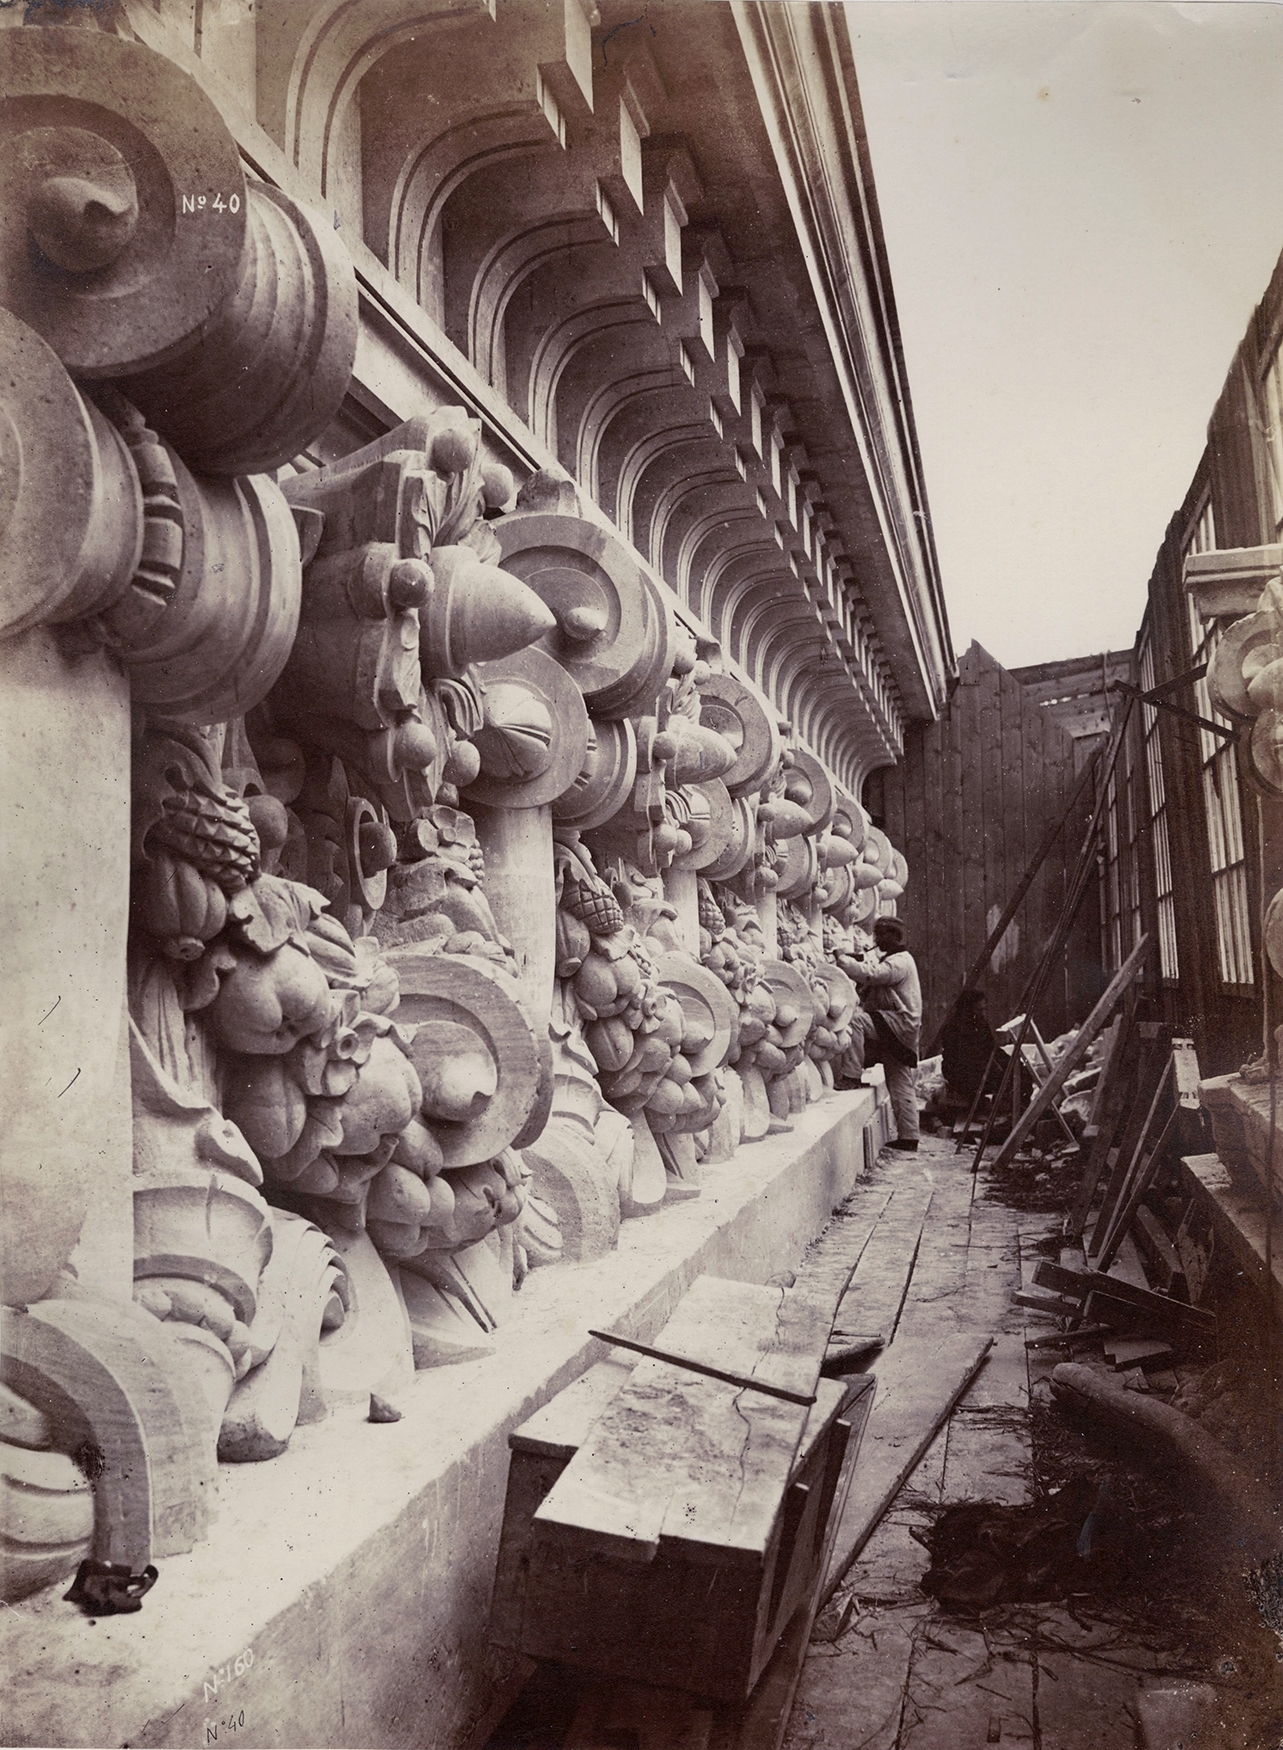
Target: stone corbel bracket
x=614 y=633
x=400 y=602
x=740 y=714
x=486 y=1070
x=534 y=738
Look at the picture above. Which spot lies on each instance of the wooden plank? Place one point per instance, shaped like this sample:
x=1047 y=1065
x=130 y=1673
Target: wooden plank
x=1153 y=1055
x=956 y=828
x=696 y=1462
x=1126 y=1352
x=1080 y=1283
x=1127 y=1265
x=971 y=799
x=875 y=1296
x=1142 y=1178
x=560 y=1428
x=997 y=882
x=1116 y=1315
x=1042 y=1101
x=1113 y=1098
x=760 y=1723
x=919 y=1382
x=1108 y=1066
x=1013 y=706
x=957 y=1695
x=668 y=1719
x=1069 y=1339
x=1163 y=1260
x=1056 y=1306
x=1188 y=1074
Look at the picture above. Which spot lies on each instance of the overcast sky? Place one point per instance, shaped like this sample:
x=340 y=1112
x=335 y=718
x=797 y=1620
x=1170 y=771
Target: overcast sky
x=1082 y=205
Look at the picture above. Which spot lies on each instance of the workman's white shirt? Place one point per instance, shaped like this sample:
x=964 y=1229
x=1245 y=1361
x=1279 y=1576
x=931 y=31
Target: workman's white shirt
x=892 y=984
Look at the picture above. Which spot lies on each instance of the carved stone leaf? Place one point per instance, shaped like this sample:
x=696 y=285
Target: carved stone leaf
x=273 y=910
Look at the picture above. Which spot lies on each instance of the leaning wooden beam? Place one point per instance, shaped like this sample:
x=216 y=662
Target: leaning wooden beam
x=1080 y=1283
x=1129 y=1202
x=1106 y=1111
x=1026 y=881
x=919 y=1384
x=1098 y=1018
x=740 y=1379
x=1127 y=1164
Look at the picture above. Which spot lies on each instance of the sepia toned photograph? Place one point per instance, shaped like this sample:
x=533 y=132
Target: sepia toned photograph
x=641 y=767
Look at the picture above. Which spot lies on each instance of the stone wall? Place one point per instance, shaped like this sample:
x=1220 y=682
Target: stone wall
x=406 y=883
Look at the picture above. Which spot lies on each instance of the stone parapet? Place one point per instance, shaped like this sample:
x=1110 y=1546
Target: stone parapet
x=343 y=1592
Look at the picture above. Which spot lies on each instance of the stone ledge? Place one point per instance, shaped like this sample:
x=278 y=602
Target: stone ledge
x=357 y=1567
x=1240 y=1218
x=1240 y=1113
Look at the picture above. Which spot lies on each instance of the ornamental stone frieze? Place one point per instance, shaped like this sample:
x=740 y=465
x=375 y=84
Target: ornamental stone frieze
x=416 y=888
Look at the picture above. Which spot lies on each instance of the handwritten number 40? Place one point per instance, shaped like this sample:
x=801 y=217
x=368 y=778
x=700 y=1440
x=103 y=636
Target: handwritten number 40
x=196 y=203
x=234 y=1723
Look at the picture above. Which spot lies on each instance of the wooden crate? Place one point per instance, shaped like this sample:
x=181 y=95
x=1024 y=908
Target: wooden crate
x=707 y=1625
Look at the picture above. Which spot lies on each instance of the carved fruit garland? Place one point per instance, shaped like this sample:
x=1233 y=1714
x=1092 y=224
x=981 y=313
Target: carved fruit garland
x=633 y=1026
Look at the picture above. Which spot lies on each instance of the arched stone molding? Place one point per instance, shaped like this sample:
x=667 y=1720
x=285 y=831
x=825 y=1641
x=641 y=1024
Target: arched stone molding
x=497 y=229
x=587 y=394
x=428 y=178
x=768 y=608
x=730 y=579
x=592 y=393
x=790 y=644
x=698 y=533
x=507 y=73
x=319 y=55
x=555 y=348
x=670 y=479
x=819 y=707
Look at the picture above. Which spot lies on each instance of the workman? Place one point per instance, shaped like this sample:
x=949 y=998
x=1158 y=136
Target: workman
x=969 y=1048
x=887 y=1027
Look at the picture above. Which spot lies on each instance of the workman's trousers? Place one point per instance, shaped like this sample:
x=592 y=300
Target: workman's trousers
x=902 y=1082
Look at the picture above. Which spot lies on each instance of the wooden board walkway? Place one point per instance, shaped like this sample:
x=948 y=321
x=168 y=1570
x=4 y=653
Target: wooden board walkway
x=894 y=1679
x=919 y=1382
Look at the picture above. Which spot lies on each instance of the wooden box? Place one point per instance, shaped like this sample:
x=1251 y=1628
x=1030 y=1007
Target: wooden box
x=709 y=1625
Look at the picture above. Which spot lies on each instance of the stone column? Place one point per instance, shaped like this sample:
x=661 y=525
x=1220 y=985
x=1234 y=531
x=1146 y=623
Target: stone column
x=681 y=890
x=520 y=885
x=768 y=917
x=64 y=907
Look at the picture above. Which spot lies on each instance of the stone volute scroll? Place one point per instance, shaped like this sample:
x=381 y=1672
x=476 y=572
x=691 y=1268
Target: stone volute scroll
x=225 y=311
x=123 y=196
x=533 y=740
x=606 y=779
x=73 y=530
x=614 y=633
x=742 y=717
x=101 y=1388
x=274 y=362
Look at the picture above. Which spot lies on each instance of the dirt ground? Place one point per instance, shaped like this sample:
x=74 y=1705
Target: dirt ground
x=1148 y=1598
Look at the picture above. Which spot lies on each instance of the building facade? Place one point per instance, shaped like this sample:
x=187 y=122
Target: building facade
x=1193 y=850
x=467 y=551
